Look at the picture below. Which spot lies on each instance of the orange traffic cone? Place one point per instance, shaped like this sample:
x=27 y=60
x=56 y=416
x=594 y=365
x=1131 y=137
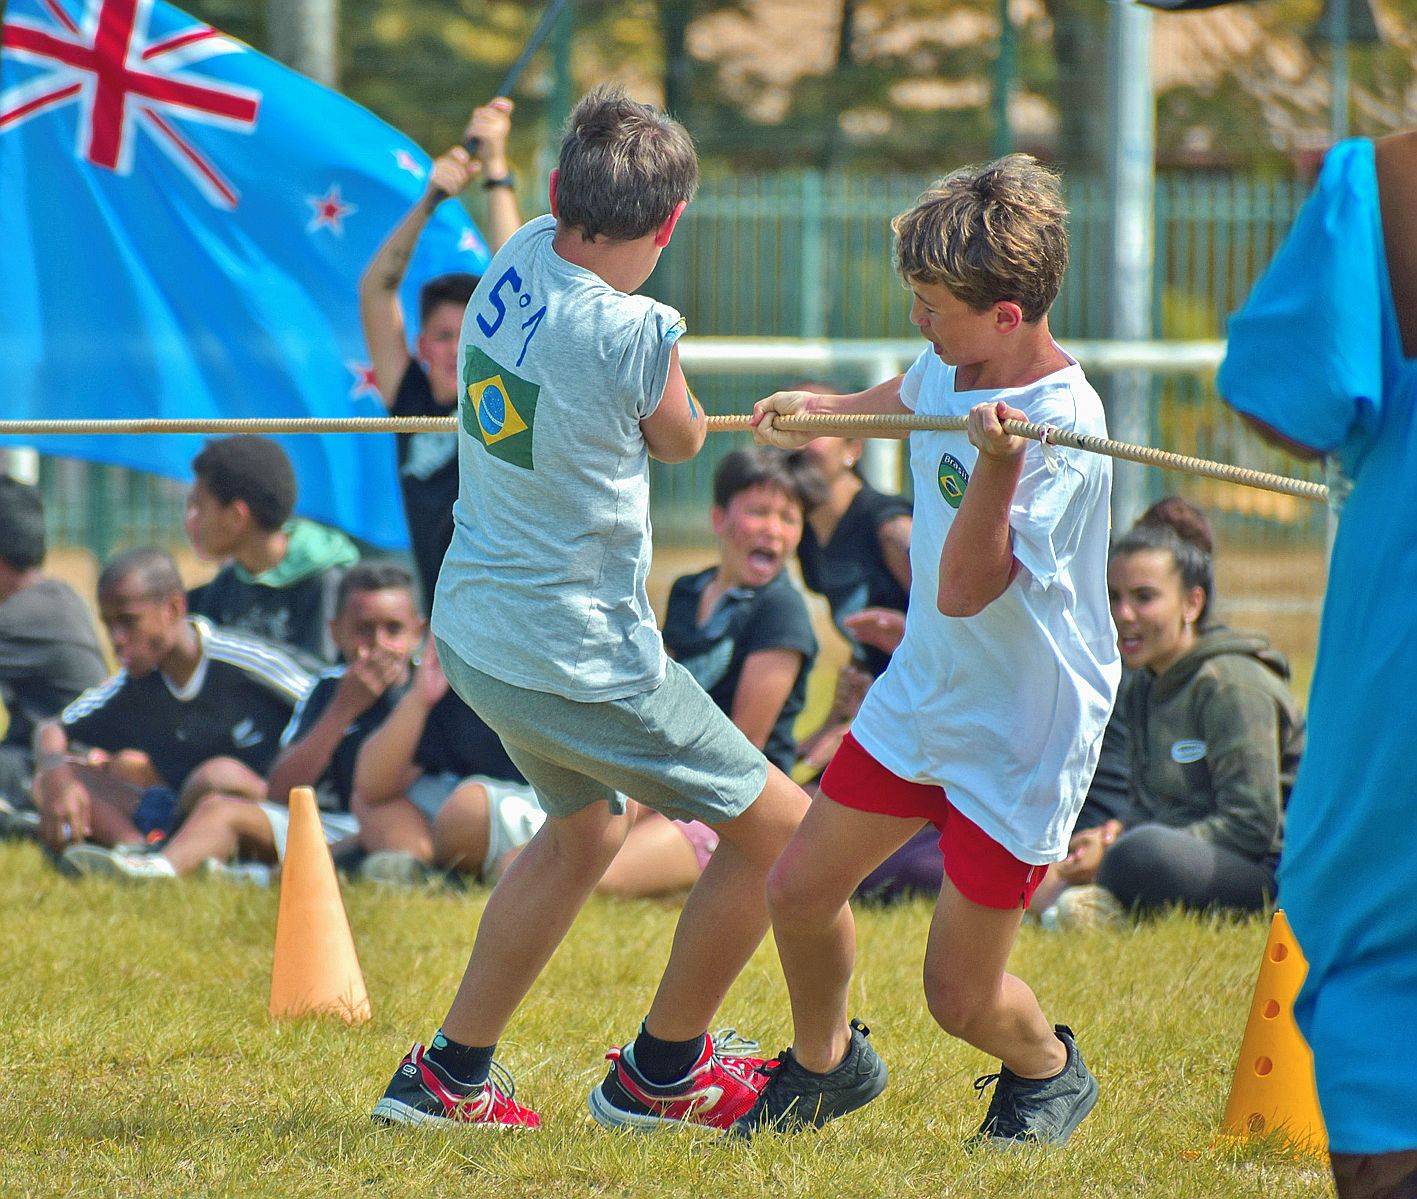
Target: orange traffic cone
x=315 y=968
x=1274 y=1081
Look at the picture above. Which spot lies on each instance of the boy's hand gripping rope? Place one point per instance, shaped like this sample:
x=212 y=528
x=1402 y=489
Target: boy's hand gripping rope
x=854 y=425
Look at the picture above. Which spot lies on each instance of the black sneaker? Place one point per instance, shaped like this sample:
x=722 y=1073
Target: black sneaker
x=1041 y=1111
x=420 y=1093
x=796 y=1098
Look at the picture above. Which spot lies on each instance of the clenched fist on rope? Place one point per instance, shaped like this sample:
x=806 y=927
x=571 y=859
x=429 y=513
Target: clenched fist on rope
x=881 y=400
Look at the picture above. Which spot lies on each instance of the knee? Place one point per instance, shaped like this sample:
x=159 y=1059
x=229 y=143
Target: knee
x=1139 y=865
x=215 y=806
x=955 y=1004
x=798 y=897
x=220 y=774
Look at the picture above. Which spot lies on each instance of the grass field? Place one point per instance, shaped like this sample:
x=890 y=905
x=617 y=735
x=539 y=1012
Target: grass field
x=139 y=1058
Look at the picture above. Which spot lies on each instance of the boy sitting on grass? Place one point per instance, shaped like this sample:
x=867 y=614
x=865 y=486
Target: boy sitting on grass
x=193 y=710
x=988 y=719
x=376 y=629
x=283 y=575
x=743 y=631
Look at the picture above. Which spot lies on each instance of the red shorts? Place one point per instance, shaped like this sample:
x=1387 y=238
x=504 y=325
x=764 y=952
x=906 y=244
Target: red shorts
x=981 y=869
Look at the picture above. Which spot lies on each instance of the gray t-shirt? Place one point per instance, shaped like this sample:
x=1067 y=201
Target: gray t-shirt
x=49 y=654
x=543 y=586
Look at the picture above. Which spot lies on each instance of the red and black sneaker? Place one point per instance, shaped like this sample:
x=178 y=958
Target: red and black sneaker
x=719 y=1088
x=420 y=1093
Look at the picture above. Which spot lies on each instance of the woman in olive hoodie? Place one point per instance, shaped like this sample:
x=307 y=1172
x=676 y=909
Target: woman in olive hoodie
x=1215 y=737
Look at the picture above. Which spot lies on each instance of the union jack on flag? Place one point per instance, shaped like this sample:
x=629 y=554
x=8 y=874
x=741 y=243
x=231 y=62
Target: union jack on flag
x=184 y=224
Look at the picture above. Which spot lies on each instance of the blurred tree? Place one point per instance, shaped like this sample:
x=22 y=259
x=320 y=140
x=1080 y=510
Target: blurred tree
x=875 y=83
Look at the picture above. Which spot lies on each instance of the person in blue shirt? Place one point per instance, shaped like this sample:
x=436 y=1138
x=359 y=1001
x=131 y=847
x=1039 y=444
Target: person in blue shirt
x=1323 y=360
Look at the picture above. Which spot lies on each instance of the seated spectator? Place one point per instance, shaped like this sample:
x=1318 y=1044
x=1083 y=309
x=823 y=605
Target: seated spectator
x=855 y=552
x=283 y=574
x=49 y=650
x=742 y=630
x=434 y=789
x=376 y=629
x=193 y=710
x=1215 y=738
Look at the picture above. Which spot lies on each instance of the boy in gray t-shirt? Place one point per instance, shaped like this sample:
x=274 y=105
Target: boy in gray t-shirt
x=569 y=383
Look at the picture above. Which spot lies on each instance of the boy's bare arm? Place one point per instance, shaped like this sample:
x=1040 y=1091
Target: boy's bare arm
x=304 y=761
x=489 y=126
x=880 y=400
x=675 y=431
x=62 y=800
x=977 y=561
x=380 y=312
x=385 y=768
x=764 y=684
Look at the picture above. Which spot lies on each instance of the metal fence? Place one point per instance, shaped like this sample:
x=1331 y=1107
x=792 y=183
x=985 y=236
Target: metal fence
x=805 y=255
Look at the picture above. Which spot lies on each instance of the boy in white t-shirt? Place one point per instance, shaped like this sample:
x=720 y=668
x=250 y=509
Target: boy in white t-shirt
x=988 y=720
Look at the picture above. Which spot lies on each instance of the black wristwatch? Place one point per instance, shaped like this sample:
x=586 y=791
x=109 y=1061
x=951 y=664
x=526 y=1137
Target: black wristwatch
x=507 y=180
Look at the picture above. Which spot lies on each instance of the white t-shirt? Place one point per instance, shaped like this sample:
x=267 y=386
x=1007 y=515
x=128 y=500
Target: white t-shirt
x=1005 y=709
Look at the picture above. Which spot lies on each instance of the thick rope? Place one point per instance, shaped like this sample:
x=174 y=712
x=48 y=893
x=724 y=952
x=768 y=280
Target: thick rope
x=859 y=425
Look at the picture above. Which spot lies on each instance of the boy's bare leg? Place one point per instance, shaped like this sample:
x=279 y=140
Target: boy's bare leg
x=528 y=915
x=808 y=893
x=655 y=860
x=973 y=997
x=460 y=832
x=221 y=826
x=725 y=916
x=394 y=825
x=112 y=802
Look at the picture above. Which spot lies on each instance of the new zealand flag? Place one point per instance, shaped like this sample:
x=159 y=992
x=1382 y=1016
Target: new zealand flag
x=183 y=225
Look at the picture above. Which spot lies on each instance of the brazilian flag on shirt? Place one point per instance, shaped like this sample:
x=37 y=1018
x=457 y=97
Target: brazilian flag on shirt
x=498 y=408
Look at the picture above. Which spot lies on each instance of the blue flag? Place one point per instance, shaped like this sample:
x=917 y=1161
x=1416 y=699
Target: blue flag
x=183 y=225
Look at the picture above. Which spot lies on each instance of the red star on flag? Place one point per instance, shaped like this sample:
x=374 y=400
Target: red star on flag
x=365 y=382
x=330 y=209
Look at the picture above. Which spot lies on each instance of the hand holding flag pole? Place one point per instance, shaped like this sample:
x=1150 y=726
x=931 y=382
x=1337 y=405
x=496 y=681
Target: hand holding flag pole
x=472 y=142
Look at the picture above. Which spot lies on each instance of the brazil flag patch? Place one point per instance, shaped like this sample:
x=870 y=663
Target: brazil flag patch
x=953 y=479
x=498 y=408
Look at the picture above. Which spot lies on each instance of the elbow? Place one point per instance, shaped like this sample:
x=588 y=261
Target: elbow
x=680 y=451
x=954 y=600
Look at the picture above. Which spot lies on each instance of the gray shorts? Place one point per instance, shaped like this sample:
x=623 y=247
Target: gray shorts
x=671 y=748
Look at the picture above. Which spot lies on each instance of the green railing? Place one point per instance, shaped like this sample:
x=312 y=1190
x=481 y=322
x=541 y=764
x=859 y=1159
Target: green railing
x=802 y=254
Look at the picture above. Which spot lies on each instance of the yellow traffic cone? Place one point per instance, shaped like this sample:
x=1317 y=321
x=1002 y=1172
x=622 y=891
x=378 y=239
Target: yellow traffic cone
x=315 y=967
x=1274 y=1081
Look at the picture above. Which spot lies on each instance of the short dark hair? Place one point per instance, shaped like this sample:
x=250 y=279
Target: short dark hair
x=253 y=469
x=456 y=287
x=21 y=524
x=759 y=466
x=150 y=566
x=1176 y=527
x=623 y=167
x=364 y=577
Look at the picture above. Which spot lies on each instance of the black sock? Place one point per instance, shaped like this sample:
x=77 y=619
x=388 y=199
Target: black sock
x=665 y=1061
x=465 y=1065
